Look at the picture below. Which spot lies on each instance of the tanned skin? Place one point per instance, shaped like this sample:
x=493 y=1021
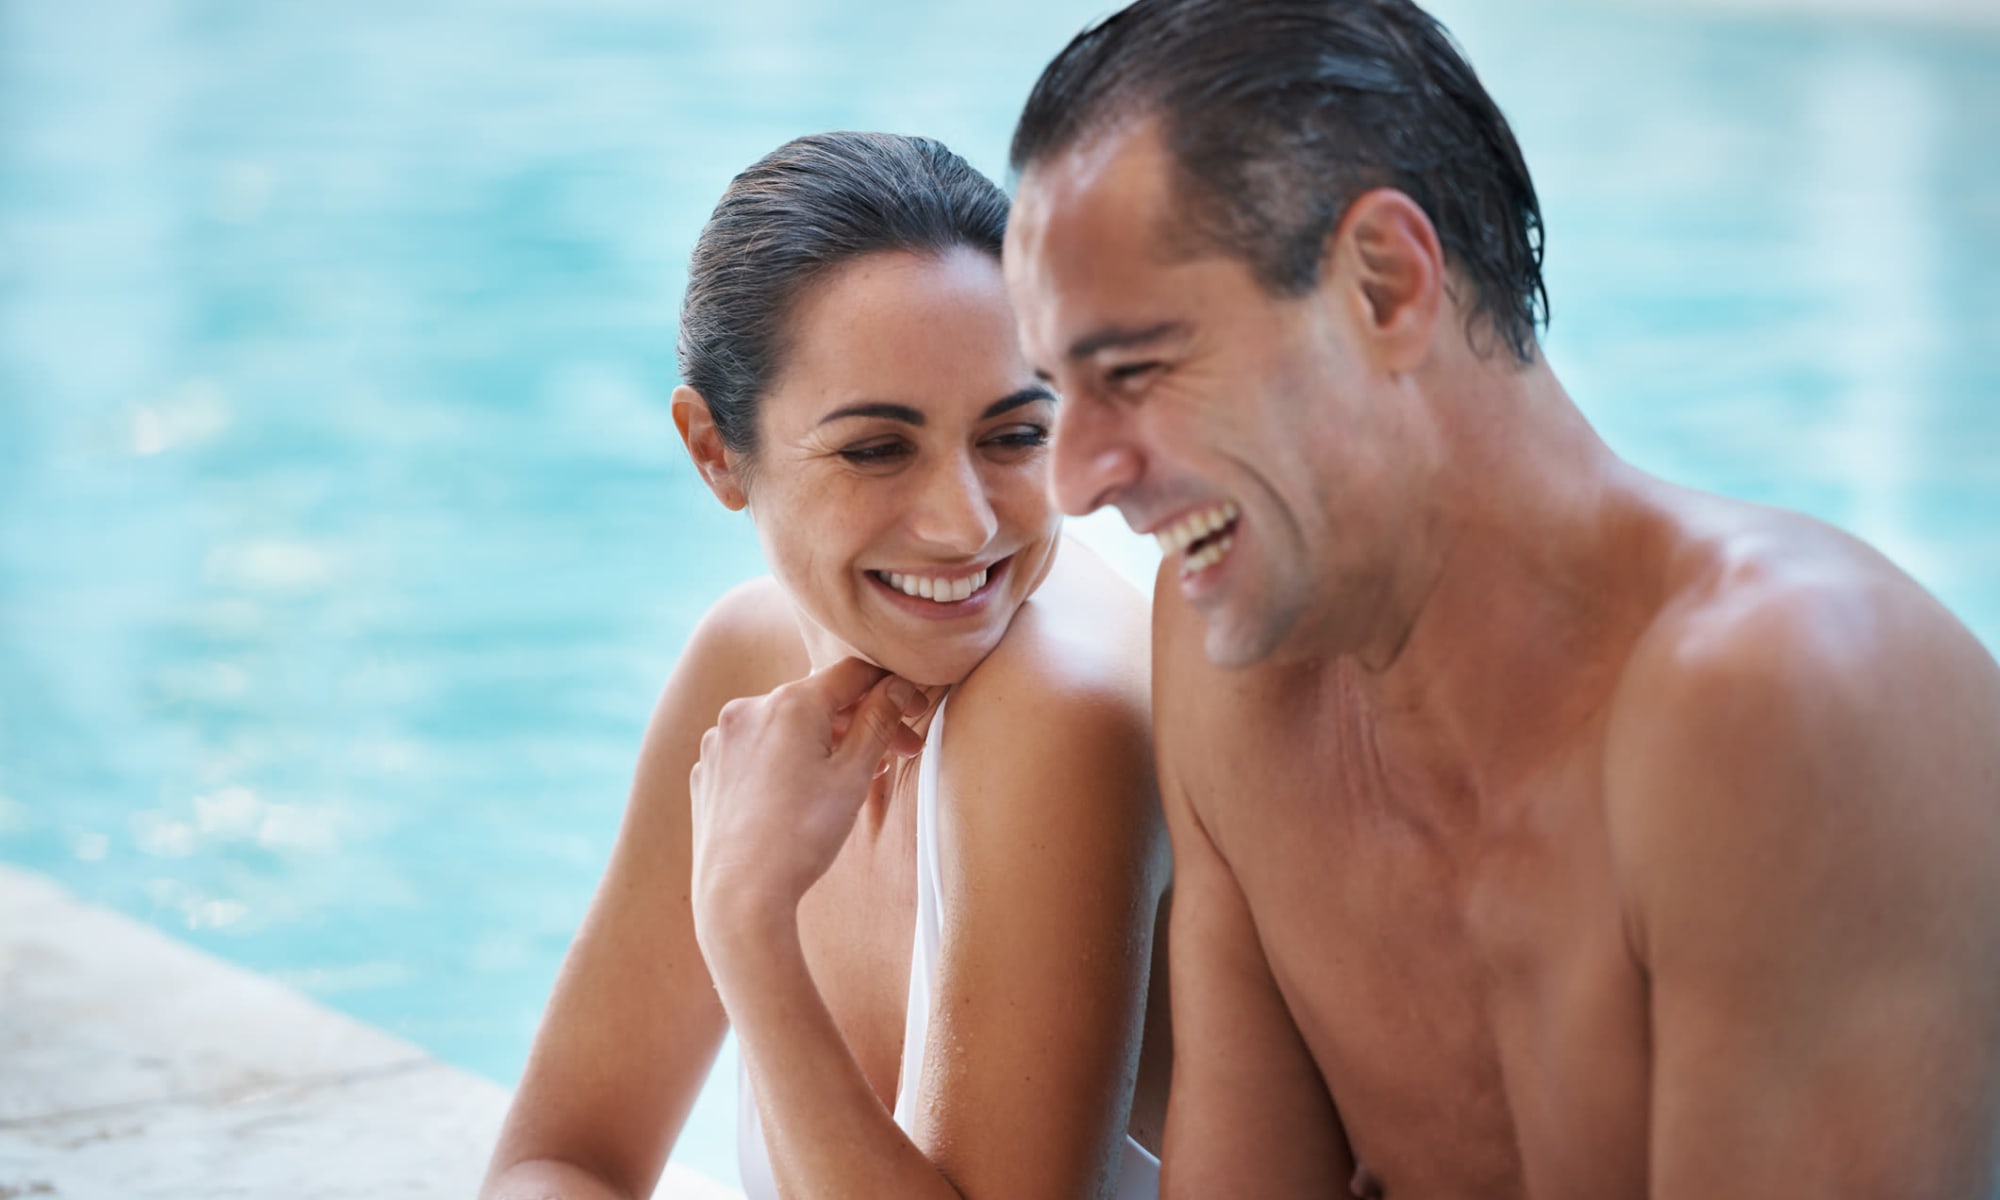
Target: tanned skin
x=765 y=878
x=1541 y=828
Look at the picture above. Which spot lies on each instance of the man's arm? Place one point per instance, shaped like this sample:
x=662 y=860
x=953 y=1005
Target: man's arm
x=1247 y=1114
x=1804 y=799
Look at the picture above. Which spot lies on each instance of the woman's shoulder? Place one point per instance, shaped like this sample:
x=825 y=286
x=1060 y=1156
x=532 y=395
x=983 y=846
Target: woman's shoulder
x=747 y=642
x=1061 y=709
x=1083 y=637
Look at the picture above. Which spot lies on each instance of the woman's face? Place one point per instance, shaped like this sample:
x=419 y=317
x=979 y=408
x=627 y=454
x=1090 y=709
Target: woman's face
x=899 y=488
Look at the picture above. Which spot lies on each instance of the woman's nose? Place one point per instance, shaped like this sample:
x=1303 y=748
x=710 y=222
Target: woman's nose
x=954 y=512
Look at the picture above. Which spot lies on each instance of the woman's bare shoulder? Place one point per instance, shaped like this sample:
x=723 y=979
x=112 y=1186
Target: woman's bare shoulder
x=1056 y=724
x=1053 y=858
x=1083 y=636
x=747 y=643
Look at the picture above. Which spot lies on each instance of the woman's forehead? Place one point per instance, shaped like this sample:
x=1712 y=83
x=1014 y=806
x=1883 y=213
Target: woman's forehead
x=930 y=333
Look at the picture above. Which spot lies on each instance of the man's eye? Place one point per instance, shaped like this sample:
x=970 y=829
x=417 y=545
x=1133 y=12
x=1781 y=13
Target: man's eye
x=1126 y=374
x=875 y=453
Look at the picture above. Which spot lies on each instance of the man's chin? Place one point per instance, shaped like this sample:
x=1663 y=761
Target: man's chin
x=1233 y=642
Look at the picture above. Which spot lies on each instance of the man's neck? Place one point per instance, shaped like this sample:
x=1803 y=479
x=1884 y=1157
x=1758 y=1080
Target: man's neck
x=1523 y=593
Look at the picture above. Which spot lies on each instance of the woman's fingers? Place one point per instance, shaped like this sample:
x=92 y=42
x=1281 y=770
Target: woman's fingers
x=875 y=727
x=839 y=686
x=840 y=694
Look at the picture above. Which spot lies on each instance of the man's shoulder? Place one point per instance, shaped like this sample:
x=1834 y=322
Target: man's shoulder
x=1792 y=677
x=1774 y=607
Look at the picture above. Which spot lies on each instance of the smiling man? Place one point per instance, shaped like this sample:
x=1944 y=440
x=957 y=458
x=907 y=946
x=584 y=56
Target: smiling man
x=1541 y=828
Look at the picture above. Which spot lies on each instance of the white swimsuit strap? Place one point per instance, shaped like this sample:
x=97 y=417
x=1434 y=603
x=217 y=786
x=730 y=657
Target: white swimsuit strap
x=929 y=933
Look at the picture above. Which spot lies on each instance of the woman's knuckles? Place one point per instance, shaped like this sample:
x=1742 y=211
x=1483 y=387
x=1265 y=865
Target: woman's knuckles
x=736 y=714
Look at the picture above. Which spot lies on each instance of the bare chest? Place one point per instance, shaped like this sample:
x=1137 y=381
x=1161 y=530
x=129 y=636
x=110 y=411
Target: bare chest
x=1459 y=969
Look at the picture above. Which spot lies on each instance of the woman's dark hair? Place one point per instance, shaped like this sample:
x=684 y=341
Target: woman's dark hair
x=808 y=207
x=1278 y=113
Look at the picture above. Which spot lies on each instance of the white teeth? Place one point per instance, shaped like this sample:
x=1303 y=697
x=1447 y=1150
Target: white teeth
x=936 y=589
x=1189 y=529
x=1207 y=556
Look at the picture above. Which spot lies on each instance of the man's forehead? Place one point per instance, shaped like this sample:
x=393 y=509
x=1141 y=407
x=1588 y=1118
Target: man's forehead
x=1090 y=222
x=1116 y=173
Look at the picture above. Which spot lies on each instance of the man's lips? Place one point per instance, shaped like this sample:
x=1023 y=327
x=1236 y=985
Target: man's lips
x=1197 y=528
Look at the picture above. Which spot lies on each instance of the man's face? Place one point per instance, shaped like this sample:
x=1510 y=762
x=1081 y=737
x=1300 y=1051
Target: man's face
x=1233 y=425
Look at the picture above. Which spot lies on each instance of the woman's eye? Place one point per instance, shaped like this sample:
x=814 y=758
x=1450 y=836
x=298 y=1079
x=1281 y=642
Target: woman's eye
x=1020 y=437
x=875 y=454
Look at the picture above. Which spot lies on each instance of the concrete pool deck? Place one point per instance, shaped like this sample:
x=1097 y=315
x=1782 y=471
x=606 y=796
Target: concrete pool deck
x=133 y=1066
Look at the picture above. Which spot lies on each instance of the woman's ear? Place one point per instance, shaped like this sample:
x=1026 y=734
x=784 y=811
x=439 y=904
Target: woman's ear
x=720 y=469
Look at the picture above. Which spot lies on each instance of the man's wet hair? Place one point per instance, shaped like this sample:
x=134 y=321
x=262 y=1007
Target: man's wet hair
x=1277 y=114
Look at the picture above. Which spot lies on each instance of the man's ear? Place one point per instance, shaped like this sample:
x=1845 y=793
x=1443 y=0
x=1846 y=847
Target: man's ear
x=1386 y=254
x=720 y=469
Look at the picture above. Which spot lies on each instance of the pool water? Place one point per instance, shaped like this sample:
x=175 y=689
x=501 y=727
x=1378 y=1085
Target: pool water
x=344 y=537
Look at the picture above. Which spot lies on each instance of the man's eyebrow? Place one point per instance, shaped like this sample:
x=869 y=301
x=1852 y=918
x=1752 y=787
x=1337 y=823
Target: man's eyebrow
x=1117 y=338
x=910 y=416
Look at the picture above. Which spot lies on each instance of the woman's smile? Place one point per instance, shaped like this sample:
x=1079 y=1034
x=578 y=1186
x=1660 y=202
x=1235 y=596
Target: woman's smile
x=936 y=594
x=907 y=445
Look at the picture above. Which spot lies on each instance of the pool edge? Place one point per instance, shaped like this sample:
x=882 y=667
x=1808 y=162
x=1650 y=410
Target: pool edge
x=134 y=1065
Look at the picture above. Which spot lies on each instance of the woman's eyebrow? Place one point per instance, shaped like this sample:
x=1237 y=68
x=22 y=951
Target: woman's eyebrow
x=1013 y=400
x=910 y=416
x=893 y=412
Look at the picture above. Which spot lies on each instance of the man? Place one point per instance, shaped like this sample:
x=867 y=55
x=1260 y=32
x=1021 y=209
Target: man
x=1541 y=828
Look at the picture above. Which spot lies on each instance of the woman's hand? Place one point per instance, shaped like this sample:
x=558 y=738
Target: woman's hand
x=775 y=793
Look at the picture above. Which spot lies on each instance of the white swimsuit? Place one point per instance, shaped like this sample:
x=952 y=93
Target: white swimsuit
x=1138 y=1176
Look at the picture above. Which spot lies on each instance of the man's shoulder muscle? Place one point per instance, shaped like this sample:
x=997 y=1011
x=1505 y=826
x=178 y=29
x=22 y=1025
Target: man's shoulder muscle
x=1797 y=682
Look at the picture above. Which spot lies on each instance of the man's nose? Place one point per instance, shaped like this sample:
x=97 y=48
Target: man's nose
x=1092 y=459
x=954 y=513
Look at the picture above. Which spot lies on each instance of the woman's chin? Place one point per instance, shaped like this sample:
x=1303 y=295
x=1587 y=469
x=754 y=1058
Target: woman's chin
x=935 y=670
x=930 y=675
x=927 y=658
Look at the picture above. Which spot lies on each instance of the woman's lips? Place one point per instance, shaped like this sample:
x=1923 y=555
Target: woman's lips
x=941 y=595
x=938 y=589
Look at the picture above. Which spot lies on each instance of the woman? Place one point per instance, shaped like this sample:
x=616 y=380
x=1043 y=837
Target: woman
x=932 y=937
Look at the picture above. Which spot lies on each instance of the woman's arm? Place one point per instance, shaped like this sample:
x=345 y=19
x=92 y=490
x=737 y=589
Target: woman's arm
x=1054 y=859
x=634 y=1024
x=1054 y=862
x=781 y=780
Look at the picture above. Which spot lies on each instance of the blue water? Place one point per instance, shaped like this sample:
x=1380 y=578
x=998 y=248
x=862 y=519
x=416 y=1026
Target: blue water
x=344 y=539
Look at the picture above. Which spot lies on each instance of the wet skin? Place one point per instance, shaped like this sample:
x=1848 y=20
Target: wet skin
x=1541 y=828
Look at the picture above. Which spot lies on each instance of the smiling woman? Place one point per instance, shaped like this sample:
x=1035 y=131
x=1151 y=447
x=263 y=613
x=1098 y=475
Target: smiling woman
x=935 y=950
x=900 y=459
